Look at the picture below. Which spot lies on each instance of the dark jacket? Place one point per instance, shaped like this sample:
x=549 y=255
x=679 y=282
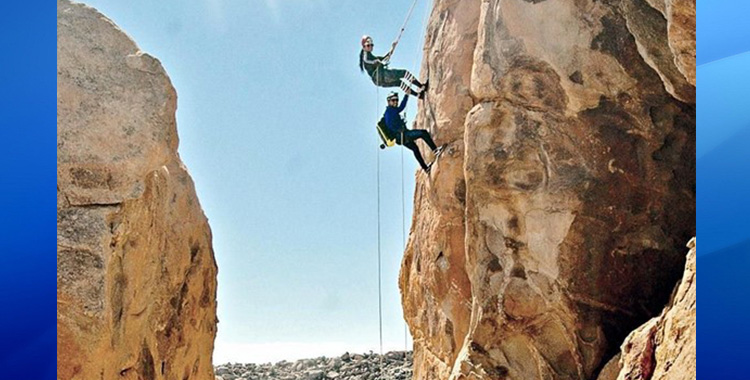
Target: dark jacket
x=370 y=62
x=393 y=121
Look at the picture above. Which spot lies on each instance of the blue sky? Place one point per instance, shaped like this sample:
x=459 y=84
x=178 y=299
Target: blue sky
x=276 y=126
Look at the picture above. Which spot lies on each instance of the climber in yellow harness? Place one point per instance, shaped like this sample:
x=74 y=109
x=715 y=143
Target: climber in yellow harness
x=393 y=127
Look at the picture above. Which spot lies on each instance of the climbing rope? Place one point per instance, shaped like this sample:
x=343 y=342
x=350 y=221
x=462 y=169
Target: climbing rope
x=403 y=27
x=403 y=187
x=403 y=224
x=380 y=287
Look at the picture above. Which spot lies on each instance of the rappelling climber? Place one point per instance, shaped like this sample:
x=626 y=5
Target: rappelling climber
x=381 y=75
x=396 y=130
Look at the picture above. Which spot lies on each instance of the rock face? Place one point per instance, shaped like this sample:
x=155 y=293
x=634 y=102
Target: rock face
x=664 y=347
x=553 y=224
x=136 y=275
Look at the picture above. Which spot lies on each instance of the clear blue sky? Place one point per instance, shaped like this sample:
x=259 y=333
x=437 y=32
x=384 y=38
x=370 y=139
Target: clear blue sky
x=276 y=126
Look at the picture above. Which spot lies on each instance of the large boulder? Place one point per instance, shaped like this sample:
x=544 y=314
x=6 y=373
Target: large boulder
x=136 y=275
x=554 y=223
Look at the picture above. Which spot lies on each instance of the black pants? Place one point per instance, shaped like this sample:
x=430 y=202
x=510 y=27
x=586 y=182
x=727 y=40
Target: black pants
x=410 y=137
x=385 y=77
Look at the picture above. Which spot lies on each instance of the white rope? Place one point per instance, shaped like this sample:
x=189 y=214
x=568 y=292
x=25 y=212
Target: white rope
x=403 y=186
x=403 y=224
x=380 y=286
x=403 y=27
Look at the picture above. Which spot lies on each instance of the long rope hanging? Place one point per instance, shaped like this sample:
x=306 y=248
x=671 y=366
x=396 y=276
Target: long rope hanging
x=380 y=291
x=403 y=201
x=403 y=226
x=403 y=186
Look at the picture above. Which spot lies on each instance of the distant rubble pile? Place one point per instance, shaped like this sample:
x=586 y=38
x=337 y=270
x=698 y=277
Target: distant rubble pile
x=396 y=366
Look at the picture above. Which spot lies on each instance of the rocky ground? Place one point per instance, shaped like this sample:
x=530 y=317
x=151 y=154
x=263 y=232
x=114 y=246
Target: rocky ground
x=396 y=365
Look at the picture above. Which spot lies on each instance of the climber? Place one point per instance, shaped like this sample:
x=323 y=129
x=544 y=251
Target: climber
x=381 y=75
x=396 y=129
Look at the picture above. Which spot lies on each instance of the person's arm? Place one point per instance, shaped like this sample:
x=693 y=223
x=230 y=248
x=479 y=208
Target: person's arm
x=403 y=103
x=388 y=55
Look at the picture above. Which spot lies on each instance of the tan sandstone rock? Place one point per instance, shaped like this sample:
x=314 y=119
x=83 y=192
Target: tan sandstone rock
x=435 y=289
x=553 y=224
x=136 y=275
x=681 y=23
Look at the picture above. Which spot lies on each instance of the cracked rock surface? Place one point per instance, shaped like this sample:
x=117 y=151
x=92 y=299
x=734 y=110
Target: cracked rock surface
x=554 y=222
x=136 y=275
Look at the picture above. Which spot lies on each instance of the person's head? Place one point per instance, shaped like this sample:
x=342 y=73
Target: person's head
x=392 y=99
x=367 y=43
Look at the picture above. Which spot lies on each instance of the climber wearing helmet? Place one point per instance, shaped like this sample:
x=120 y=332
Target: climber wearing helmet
x=381 y=75
x=396 y=128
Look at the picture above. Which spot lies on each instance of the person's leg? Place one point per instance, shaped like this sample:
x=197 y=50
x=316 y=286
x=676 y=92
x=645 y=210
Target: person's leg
x=378 y=77
x=416 y=134
x=399 y=78
x=414 y=148
x=391 y=77
x=408 y=90
x=410 y=78
x=399 y=137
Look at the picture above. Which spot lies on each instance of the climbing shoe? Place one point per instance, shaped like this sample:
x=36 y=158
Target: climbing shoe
x=438 y=151
x=426 y=86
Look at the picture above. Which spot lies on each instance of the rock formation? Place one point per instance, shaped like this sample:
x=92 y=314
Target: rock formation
x=664 y=347
x=136 y=275
x=553 y=225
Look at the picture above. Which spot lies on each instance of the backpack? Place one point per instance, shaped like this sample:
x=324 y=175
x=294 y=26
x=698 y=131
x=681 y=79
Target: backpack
x=388 y=140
